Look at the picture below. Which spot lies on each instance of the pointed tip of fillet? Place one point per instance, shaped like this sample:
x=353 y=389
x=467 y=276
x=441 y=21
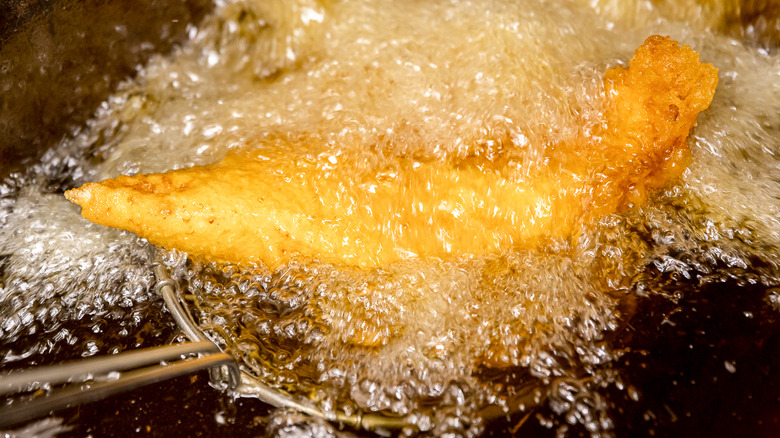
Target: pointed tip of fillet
x=80 y=195
x=76 y=196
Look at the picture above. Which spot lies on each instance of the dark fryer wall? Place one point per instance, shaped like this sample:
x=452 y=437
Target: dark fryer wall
x=60 y=59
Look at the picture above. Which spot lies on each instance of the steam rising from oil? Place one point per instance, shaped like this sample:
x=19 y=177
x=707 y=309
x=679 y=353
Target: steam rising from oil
x=430 y=80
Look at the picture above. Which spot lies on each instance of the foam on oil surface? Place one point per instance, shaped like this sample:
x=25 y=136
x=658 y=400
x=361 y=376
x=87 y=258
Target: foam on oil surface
x=432 y=80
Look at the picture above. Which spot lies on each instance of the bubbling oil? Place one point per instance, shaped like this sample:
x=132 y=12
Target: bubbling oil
x=435 y=340
x=68 y=289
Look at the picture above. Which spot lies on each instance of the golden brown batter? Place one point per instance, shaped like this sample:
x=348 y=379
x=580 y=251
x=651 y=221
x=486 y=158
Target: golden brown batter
x=255 y=208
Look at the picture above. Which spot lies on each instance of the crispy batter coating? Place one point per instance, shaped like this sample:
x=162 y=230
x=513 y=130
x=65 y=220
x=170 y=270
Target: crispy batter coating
x=255 y=208
x=653 y=106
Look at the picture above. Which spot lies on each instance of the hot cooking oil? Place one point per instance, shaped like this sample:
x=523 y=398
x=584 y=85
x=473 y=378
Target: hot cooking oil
x=435 y=339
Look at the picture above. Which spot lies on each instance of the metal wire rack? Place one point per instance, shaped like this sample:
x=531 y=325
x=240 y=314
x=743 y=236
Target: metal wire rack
x=248 y=385
x=93 y=379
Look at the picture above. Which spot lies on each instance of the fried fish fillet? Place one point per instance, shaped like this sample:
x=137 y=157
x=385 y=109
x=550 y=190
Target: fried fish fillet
x=252 y=208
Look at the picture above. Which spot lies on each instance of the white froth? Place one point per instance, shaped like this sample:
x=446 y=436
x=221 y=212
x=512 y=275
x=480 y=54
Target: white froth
x=429 y=79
